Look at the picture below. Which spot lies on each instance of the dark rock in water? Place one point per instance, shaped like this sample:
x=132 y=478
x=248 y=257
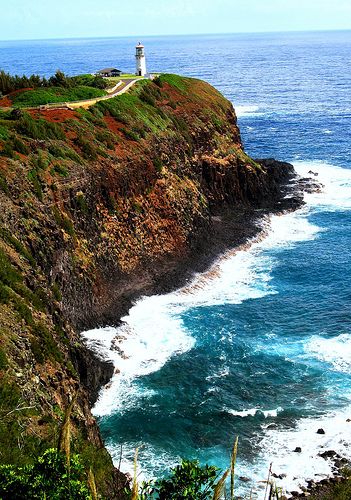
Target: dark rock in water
x=321 y=431
x=306 y=184
x=340 y=462
x=244 y=479
x=297 y=449
x=328 y=454
x=324 y=482
x=93 y=371
x=278 y=476
x=313 y=173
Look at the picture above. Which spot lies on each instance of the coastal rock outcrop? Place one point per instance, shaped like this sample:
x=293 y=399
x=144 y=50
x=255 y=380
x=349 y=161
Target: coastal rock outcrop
x=98 y=207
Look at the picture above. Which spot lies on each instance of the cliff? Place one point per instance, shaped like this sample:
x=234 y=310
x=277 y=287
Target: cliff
x=98 y=207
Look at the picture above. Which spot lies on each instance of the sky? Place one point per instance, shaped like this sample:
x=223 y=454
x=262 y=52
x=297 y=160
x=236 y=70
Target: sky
x=38 y=19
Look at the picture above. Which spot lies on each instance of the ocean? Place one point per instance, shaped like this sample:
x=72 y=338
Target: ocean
x=260 y=345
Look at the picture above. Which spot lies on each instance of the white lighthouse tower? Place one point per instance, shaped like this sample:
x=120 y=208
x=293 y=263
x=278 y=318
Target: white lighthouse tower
x=140 y=60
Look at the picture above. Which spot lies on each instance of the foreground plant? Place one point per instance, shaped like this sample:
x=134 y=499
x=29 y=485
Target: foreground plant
x=55 y=475
x=49 y=477
x=188 y=480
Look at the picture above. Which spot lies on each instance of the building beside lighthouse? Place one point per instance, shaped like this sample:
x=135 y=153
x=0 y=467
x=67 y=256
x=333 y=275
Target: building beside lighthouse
x=140 y=60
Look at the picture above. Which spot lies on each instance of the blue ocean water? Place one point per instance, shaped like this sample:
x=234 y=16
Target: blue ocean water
x=260 y=345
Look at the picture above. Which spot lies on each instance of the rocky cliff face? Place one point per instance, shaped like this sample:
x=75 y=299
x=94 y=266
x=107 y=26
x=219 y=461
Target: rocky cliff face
x=96 y=208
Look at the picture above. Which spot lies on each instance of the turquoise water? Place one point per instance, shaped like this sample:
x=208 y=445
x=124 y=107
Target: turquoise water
x=259 y=346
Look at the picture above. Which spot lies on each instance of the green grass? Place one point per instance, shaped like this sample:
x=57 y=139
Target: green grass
x=114 y=79
x=49 y=95
x=179 y=82
x=39 y=129
x=3 y=360
x=132 y=110
x=63 y=152
x=3 y=184
x=17 y=245
x=4 y=132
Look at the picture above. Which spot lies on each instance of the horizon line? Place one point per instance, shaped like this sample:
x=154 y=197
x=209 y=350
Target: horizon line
x=328 y=30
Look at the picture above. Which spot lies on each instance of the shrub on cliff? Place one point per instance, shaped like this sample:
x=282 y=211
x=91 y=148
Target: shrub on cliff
x=49 y=477
x=38 y=129
x=188 y=480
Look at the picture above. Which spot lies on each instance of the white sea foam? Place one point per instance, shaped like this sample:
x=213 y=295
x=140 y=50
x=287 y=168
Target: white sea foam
x=247 y=110
x=278 y=448
x=153 y=458
x=256 y=411
x=336 y=351
x=336 y=194
x=150 y=335
x=221 y=373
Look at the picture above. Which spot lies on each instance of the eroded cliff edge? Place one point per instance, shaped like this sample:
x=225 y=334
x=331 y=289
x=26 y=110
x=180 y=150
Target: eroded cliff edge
x=98 y=207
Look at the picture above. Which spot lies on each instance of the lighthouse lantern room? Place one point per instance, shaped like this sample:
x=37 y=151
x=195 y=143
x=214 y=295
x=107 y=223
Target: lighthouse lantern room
x=140 y=60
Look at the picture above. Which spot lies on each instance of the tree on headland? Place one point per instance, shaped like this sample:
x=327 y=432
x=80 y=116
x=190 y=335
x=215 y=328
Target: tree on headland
x=60 y=80
x=9 y=83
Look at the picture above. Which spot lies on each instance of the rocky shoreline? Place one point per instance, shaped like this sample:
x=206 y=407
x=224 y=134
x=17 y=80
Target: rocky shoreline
x=229 y=227
x=229 y=230
x=323 y=489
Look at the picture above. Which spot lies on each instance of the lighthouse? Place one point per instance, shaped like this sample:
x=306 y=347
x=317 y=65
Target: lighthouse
x=140 y=60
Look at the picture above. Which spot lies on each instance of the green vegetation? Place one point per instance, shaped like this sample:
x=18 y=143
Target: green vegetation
x=3 y=184
x=342 y=491
x=63 y=152
x=14 y=412
x=179 y=82
x=64 y=221
x=43 y=345
x=48 y=477
x=38 y=128
x=9 y=276
x=3 y=360
x=49 y=95
x=90 y=81
x=88 y=149
x=10 y=83
x=57 y=473
x=188 y=480
x=82 y=203
x=137 y=111
x=4 y=133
